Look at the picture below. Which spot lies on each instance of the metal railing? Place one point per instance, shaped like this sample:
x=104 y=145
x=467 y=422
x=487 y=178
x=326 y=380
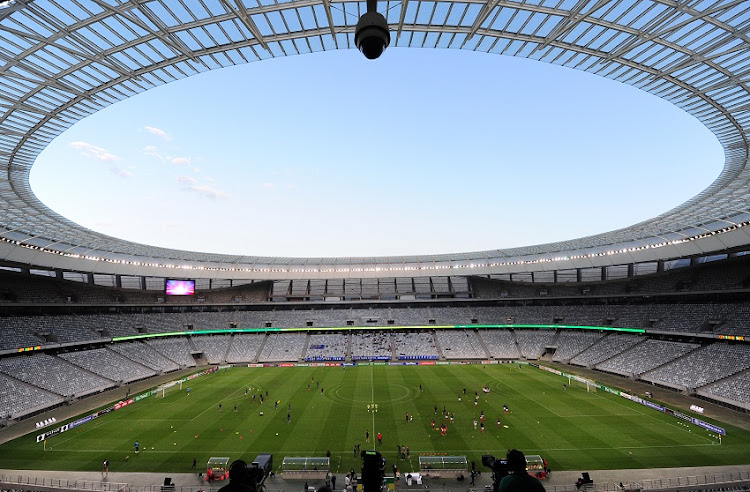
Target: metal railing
x=27 y=483
x=661 y=483
x=594 y=487
x=708 y=479
x=22 y=482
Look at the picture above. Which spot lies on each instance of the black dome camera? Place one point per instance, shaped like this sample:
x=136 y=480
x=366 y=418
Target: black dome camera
x=372 y=36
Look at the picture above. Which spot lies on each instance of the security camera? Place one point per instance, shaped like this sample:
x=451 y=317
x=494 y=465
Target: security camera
x=372 y=36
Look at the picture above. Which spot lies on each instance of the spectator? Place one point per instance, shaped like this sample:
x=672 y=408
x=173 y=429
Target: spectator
x=519 y=480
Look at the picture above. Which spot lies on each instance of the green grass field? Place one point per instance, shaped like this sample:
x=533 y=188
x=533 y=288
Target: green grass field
x=573 y=429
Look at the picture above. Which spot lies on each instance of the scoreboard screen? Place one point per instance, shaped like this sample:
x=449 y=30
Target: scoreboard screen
x=176 y=287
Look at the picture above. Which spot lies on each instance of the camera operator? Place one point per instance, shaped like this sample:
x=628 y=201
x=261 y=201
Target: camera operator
x=239 y=478
x=519 y=480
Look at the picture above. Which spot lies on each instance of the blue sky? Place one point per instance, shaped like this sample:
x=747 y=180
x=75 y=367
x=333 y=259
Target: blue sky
x=420 y=152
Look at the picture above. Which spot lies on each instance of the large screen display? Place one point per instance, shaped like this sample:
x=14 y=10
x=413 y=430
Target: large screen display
x=180 y=287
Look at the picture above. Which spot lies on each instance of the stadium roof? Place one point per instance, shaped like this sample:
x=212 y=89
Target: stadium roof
x=61 y=61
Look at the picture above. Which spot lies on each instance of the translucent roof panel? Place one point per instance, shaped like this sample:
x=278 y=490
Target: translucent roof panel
x=62 y=61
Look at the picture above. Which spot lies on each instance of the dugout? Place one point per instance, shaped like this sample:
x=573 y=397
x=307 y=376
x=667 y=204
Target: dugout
x=536 y=466
x=443 y=466
x=305 y=467
x=217 y=469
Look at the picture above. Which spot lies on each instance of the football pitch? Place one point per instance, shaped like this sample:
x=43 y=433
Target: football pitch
x=572 y=428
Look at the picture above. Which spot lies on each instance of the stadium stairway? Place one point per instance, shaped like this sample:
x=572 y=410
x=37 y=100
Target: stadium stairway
x=438 y=349
x=262 y=346
x=515 y=342
x=229 y=347
x=487 y=353
x=307 y=344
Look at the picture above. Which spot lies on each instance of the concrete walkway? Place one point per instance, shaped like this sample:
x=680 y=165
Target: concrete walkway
x=561 y=479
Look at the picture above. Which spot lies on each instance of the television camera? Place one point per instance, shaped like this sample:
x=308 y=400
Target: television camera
x=499 y=467
x=373 y=471
x=253 y=475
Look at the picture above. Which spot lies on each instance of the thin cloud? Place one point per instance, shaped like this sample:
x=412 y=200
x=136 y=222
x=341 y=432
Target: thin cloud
x=209 y=191
x=181 y=161
x=269 y=186
x=205 y=190
x=123 y=173
x=153 y=151
x=94 y=152
x=158 y=132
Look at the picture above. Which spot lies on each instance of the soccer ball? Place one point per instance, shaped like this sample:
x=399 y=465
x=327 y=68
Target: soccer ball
x=277 y=433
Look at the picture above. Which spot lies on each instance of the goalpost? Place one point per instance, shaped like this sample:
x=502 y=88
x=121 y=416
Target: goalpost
x=583 y=382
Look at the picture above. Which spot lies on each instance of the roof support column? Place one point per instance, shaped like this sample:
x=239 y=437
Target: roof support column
x=631 y=270
x=118 y=281
x=579 y=275
x=90 y=278
x=604 y=274
x=143 y=283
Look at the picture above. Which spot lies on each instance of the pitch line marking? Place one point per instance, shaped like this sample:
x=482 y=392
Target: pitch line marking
x=309 y=451
x=405 y=396
x=650 y=413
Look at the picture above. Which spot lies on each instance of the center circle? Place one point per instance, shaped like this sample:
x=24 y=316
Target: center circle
x=344 y=393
